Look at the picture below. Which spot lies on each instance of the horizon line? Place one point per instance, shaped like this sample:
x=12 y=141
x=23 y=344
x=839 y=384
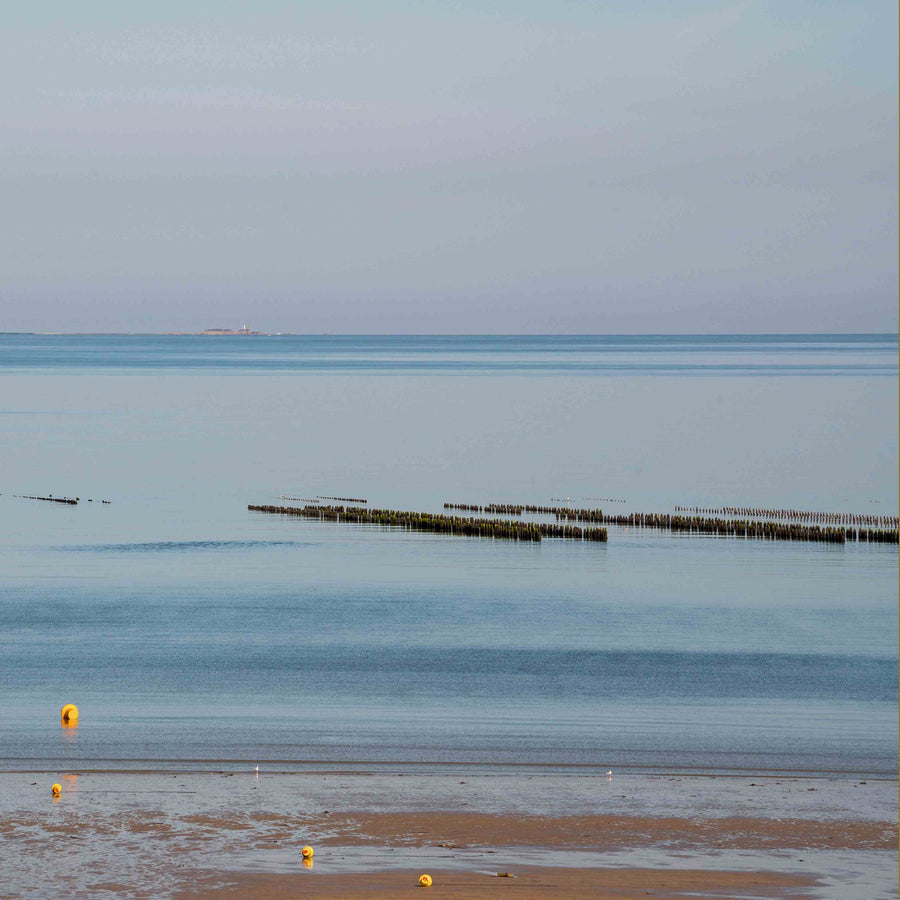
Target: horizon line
x=206 y=333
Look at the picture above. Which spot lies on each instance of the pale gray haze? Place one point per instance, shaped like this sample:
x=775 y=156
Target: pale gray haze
x=522 y=166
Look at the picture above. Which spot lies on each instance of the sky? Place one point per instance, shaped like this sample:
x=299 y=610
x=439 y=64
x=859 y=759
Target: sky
x=564 y=166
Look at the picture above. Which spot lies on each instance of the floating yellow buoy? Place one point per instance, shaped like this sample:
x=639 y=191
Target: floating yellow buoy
x=307 y=852
x=425 y=880
x=69 y=713
x=56 y=790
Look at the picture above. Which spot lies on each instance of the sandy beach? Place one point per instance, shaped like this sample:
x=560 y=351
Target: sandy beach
x=234 y=834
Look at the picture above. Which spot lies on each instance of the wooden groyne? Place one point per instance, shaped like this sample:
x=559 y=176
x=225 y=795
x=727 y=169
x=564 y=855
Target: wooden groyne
x=435 y=523
x=749 y=528
x=71 y=501
x=840 y=531
x=319 y=498
x=502 y=509
x=517 y=509
x=877 y=535
x=584 y=524
x=733 y=527
x=798 y=515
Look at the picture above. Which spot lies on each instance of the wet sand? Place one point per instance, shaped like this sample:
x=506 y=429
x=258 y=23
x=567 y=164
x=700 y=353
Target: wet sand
x=527 y=882
x=238 y=835
x=603 y=857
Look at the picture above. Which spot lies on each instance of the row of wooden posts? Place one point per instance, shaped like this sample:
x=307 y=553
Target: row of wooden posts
x=746 y=528
x=503 y=509
x=797 y=515
x=516 y=509
x=503 y=529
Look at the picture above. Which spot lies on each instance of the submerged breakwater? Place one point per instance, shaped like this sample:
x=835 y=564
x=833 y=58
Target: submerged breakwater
x=436 y=523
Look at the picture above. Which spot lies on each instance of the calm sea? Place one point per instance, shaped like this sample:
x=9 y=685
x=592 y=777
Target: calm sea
x=193 y=633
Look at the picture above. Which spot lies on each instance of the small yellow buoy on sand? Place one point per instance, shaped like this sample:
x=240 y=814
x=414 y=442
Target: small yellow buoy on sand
x=425 y=881
x=307 y=852
x=56 y=790
x=69 y=713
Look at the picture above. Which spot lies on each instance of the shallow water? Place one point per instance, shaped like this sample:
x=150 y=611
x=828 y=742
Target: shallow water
x=241 y=793
x=131 y=829
x=191 y=632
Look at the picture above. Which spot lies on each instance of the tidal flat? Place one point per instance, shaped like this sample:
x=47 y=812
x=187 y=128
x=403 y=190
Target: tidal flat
x=239 y=833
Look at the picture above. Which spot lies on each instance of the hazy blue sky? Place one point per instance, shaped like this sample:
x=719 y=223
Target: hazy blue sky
x=515 y=166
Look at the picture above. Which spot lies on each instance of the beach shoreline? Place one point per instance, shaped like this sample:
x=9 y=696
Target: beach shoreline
x=197 y=835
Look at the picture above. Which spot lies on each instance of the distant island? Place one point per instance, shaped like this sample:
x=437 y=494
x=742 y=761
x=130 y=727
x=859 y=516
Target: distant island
x=244 y=330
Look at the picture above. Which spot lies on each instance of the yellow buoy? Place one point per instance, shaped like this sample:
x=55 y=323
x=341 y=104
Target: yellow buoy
x=56 y=790
x=69 y=713
x=425 y=880
x=307 y=852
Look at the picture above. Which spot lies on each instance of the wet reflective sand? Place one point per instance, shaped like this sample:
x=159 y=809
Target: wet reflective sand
x=167 y=834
